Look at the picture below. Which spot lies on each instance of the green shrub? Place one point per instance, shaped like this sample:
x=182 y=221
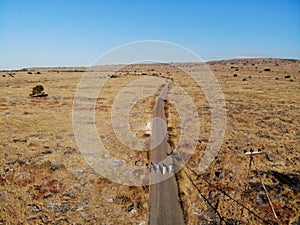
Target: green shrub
x=37 y=91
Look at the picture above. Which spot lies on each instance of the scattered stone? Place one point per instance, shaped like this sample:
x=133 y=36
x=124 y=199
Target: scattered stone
x=197 y=212
x=35 y=208
x=222 y=196
x=69 y=194
x=49 y=205
x=48 y=196
x=194 y=162
x=61 y=221
x=8 y=170
x=59 y=137
x=232 y=222
x=108 y=199
x=46 y=152
x=219 y=175
x=22 y=175
x=63 y=208
x=107 y=156
x=19 y=140
x=212 y=194
x=131 y=209
x=138 y=163
x=82 y=215
x=70 y=150
x=79 y=174
x=30 y=219
x=54 y=167
x=84 y=202
x=270 y=158
x=12 y=162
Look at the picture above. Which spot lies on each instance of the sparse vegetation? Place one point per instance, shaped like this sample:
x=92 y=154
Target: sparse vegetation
x=44 y=178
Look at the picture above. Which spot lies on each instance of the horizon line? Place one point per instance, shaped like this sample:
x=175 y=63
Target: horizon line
x=111 y=64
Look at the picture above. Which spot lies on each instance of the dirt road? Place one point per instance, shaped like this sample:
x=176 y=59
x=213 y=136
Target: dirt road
x=165 y=206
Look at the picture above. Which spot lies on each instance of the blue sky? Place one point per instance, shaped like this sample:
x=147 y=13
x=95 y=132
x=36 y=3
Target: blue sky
x=75 y=33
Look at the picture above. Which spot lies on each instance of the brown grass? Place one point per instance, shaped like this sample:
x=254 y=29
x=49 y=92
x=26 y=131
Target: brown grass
x=44 y=178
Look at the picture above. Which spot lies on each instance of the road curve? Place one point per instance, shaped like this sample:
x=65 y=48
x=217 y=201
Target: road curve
x=165 y=206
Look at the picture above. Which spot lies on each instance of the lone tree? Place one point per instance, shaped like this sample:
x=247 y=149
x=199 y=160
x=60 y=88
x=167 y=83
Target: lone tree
x=37 y=91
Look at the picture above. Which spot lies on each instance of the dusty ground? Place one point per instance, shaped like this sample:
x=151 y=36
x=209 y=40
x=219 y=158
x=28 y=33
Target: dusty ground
x=262 y=112
x=44 y=178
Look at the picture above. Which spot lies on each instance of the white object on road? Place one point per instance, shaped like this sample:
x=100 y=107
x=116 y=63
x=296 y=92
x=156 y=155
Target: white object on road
x=164 y=169
x=156 y=167
x=170 y=168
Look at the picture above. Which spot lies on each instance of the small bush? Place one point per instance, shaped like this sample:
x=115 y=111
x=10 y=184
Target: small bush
x=113 y=76
x=267 y=69
x=235 y=75
x=29 y=72
x=37 y=91
x=287 y=76
x=244 y=79
x=38 y=72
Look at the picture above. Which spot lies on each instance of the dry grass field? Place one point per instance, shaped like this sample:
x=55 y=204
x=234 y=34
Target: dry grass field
x=44 y=179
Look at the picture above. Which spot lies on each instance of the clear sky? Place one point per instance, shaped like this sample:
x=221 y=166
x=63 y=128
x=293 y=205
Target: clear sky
x=74 y=33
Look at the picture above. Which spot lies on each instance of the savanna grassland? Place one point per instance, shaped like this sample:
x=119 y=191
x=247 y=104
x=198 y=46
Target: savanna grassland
x=44 y=179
